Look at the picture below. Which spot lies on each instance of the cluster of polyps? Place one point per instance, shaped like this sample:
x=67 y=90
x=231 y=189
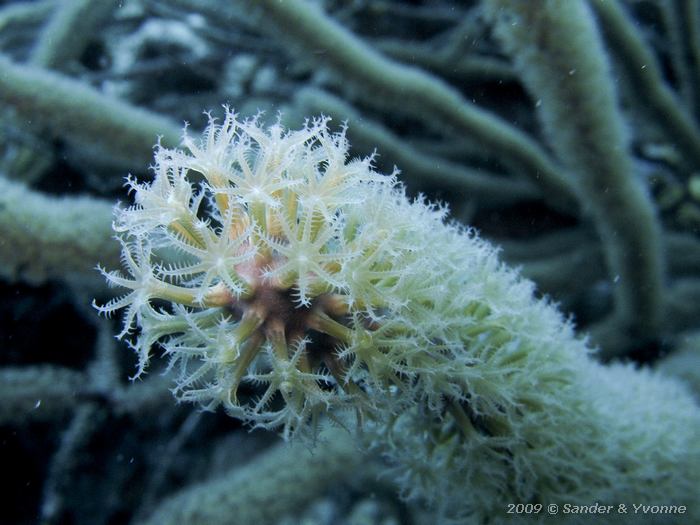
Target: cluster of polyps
x=291 y=280
x=265 y=272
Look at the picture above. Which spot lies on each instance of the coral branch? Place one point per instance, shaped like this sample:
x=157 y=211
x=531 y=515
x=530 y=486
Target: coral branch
x=75 y=111
x=281 y=481
x=580 y=114
x=44 y=237
x=361 y=300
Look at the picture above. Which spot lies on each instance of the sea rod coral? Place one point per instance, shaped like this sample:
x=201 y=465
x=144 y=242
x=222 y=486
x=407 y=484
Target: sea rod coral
x=286 y=282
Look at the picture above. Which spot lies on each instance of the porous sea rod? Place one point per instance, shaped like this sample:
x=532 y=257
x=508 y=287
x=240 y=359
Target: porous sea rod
x=313 y=281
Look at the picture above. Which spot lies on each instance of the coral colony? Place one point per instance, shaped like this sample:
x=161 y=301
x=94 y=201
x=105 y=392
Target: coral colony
x=286 y=281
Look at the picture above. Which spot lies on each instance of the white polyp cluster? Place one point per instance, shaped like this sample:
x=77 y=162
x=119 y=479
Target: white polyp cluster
x=250 y=250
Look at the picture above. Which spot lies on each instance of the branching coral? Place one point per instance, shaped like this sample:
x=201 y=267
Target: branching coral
x=429 y=86
x=312 y=280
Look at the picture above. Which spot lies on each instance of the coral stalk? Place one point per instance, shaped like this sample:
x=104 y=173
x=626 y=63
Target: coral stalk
x=559 y=54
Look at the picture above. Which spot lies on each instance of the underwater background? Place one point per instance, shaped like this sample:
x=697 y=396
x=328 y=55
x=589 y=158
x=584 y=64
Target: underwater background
x=589 y=184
